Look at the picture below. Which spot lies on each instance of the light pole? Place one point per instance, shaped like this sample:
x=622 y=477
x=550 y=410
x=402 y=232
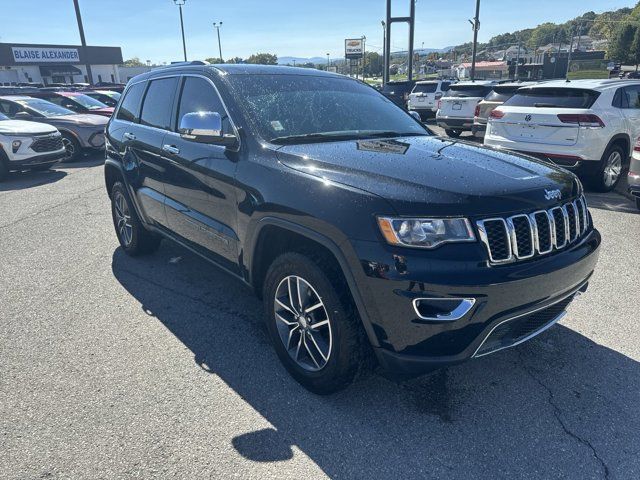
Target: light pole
x=217 y=27
x=327 y=62
x=180 y=3
x=82 y=39
x=476 y=27
x=384 y=54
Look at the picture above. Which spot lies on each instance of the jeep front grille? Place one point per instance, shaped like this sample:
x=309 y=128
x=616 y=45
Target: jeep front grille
x=524 y=236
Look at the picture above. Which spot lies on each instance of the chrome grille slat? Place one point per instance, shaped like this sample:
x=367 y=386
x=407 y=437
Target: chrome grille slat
x=523 y=236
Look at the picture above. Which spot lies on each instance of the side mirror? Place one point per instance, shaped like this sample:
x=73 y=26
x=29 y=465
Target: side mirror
x=204 y=127
x=23 y=116
x=416 y=115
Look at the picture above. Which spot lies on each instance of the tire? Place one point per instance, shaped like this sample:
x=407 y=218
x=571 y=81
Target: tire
x=4 y=170
x=72 y=146
x=609 y=170
x=453 y=133
x=341 y=339
x=133 y=237
x=638 y=203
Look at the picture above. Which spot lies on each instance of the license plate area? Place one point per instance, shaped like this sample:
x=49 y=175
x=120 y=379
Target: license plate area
x=456 y=106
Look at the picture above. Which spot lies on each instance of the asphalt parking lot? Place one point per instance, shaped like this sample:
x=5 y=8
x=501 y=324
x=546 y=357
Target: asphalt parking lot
x=156 y=367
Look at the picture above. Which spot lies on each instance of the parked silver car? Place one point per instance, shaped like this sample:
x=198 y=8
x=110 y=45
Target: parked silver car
x=79 y=131
x=634 y=173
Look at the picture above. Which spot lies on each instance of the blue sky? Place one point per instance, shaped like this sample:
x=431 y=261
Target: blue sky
x=150 y=29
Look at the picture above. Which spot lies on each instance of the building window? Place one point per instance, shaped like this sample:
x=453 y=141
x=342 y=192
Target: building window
x=86 y=79
x=100 y=78
x=113 y=79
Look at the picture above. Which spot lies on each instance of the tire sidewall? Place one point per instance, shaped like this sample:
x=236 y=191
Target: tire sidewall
x=598 y=178
x=76 y=146
x=119 y=188
x=337 y=370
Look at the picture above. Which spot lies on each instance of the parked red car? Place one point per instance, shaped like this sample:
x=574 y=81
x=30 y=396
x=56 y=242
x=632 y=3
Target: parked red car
x=75 y=101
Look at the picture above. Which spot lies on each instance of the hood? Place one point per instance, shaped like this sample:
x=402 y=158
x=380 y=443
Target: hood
x=17 y=127
x=106 y=112
x=436 y=176
x=80 y=119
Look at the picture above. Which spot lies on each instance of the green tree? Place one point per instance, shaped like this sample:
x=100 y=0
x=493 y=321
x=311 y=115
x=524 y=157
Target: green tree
x=263 y=59
x=133 y=62
x=214 y=60
x=620 y=44
x=235 y=60
x=373 y=63
x=634 y=53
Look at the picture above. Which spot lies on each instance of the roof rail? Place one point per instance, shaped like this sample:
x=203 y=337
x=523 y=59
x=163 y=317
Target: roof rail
x=192 y=62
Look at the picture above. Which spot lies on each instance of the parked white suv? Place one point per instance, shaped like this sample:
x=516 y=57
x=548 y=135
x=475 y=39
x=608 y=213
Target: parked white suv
x=425 y=95
x=28 y=146
x=588 y=126
x=458 y=105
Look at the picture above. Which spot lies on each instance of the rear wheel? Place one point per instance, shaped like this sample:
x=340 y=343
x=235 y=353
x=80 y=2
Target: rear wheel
x=609 y=171
x=134 y=238
x=4 y=170
x=313 y=326
x=72 y=147
x=453 y=133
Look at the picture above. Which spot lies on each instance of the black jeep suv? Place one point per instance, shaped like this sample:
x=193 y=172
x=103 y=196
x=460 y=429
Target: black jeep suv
x=367 y=236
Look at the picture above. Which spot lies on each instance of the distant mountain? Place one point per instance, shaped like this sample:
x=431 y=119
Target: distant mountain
x=290 y=60
x=315 y=60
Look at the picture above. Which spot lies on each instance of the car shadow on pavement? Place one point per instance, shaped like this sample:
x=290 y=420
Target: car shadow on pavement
x=557 y=406
x=89 y=160
x=30 y=179
x=610 y=201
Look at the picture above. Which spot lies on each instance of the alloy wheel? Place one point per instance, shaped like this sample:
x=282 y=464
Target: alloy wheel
x=612 y=169
x=123 y=218
x=303 y=323
x=69 y=148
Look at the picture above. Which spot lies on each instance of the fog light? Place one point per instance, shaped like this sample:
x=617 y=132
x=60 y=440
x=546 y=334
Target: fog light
x=442 y=309
x=15 y=145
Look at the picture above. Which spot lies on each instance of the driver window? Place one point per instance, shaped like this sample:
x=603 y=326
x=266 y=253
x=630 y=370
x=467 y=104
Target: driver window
x=199 y=96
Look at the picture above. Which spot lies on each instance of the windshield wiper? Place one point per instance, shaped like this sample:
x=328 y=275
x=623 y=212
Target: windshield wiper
x=337 y=136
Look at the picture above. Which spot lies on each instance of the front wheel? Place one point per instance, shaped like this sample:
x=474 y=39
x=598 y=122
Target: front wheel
x=313 y=326
x=73 y=149
x=638 y=203
x=609 y=171
x=133 y=237
x=453 y=133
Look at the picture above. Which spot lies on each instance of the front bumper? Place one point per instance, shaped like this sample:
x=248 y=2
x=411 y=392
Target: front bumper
x=36 y=161
x=454 y=123
x=393 y=278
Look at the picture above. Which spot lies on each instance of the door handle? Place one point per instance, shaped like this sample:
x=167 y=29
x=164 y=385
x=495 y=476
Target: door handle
x=172 y=149
x=129 y=136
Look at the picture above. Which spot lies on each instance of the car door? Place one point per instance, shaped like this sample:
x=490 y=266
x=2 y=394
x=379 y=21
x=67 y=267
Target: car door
x=201 y=202
x=141 y=138
x=631 y=110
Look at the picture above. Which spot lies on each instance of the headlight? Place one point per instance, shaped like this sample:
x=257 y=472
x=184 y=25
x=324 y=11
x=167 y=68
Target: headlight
x=425 y=232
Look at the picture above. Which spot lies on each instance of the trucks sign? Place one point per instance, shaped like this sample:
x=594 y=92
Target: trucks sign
x=354 y=48
x=45 y=55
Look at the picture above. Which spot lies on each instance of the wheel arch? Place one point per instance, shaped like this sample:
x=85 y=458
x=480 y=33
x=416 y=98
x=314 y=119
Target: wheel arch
x=624 y=141
x=274 y=236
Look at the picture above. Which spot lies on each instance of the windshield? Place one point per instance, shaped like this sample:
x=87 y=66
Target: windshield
x=501 y=94
x=45 y=108
x=425 y=88
x=295 y=106
x=553 y=98
x=462 y=91
x=3 y=117
x=87 y=102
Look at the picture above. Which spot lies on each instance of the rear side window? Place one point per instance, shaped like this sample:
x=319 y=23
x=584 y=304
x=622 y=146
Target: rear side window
x=468 y=91
x=501 y=94
x=553 y=98
x=158 y=103
x=631 y=97
x=398 y=87
x=130 y=106
x=425 y=88
x=445 y=86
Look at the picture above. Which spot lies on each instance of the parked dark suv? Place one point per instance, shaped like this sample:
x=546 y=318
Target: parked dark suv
x=367 y=236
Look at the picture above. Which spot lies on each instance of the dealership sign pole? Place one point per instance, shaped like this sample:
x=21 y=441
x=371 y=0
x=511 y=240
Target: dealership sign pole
x=82 y=40
x=353 y=50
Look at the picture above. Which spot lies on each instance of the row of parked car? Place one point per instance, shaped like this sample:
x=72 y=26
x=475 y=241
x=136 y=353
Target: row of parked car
x=40 y=127
x=591 y=127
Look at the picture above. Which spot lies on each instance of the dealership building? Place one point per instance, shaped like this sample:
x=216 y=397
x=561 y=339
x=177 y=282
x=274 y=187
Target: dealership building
x=46 y=64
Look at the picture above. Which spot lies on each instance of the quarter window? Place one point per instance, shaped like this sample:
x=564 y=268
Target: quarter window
x=199 y=96
x=631 y=97
x=158 y=103
x=130 y=107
